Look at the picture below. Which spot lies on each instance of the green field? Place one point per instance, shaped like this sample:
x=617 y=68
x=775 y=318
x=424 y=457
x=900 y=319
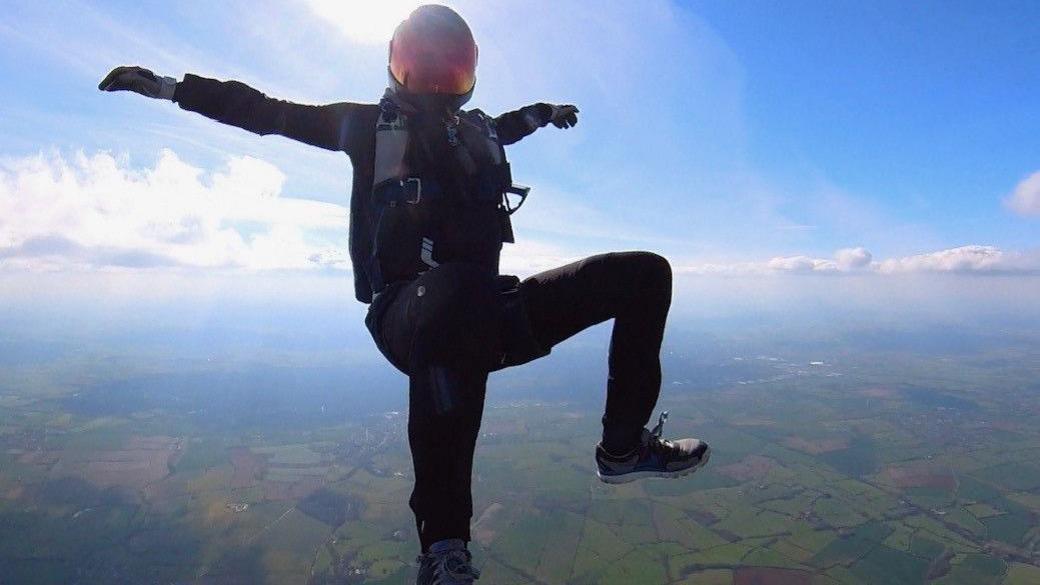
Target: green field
x=894 y=475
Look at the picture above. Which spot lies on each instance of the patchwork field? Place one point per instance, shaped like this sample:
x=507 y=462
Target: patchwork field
x=845 y=473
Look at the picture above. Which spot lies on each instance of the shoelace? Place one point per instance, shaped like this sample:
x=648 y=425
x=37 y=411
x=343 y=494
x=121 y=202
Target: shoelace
x=660 y=425
x=655 y=435
x=453 y=567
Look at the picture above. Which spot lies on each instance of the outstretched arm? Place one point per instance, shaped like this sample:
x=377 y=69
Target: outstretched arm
x=513 y=126
x=237 y=104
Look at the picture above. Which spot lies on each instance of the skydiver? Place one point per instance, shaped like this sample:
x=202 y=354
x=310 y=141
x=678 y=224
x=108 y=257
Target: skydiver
x=429 y=211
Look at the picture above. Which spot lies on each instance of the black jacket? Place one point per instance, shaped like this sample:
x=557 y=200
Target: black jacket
x=344 y=126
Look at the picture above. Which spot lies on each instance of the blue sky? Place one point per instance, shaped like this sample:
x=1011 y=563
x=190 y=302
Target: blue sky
x=924 y=108
x=741 y=138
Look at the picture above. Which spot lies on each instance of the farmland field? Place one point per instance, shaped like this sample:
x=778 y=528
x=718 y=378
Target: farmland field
x=920 y=470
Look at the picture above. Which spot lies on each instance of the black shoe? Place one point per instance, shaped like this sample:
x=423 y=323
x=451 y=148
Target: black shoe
x=447 y=563
x=653 y=457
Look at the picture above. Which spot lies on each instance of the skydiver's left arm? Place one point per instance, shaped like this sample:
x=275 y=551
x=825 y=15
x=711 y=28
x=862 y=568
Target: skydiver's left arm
x=513 y=126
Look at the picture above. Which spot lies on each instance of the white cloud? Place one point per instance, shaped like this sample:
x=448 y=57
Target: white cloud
x=845 y=260
x=95 y=211
x=965 y=259
x=801 y=264
x=777 y=265
x=853 y=258
x=98 y=212
x=1025 y=199
x=983 y=259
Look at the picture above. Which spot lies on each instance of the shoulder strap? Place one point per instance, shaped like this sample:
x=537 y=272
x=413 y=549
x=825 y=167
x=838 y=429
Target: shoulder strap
x=391 y=143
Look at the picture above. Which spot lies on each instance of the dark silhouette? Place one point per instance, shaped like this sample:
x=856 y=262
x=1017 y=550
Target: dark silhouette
x=430 y=210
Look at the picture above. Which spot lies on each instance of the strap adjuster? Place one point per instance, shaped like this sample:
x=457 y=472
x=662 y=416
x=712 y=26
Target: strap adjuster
x=406 y=186
x=514 y=189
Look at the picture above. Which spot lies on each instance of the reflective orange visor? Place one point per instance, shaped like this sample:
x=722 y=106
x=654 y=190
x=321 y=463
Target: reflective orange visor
x=425 y=65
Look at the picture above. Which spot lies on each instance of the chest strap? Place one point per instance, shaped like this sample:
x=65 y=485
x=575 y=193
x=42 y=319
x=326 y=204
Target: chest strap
x=410 y=191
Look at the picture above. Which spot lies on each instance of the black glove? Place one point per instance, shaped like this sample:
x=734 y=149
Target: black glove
x=139 y=80
x=564 y=116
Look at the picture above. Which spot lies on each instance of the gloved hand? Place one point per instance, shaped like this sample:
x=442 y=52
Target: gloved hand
x=563 y=116
x=139 y=80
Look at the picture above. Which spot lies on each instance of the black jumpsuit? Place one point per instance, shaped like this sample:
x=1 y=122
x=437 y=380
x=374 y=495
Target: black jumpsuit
x=456 y=315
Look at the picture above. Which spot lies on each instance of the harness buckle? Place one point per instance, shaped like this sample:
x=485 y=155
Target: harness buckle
x=418 y=189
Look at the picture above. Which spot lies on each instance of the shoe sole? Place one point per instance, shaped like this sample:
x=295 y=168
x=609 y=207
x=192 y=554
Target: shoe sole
x=627 y=477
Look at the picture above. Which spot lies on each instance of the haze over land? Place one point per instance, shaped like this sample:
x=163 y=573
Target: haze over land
x=265 y=442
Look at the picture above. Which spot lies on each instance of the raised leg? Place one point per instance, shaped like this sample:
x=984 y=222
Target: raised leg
x=634 y=289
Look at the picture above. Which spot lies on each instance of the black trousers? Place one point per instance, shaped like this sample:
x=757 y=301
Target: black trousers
x=451 y=326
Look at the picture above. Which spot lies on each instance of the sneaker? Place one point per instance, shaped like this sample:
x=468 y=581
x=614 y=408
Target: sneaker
x=653 y=457
x=447 y=563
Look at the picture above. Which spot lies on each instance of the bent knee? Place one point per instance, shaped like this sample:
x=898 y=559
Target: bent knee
x=655 y=277
x=658 y=265
x=652 y=268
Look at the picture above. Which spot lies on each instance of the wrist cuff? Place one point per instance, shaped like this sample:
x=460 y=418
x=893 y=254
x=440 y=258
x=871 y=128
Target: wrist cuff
x=167 y=86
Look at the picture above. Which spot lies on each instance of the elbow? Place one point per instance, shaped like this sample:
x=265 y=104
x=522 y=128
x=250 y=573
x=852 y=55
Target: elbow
x=507 y=138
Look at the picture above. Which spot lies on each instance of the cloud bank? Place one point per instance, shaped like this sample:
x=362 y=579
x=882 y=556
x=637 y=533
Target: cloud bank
x=960 y=260
x=96 y=211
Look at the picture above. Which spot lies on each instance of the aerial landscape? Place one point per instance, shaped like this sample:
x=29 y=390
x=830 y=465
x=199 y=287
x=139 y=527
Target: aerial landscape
x=271 y=312
x=836 y=460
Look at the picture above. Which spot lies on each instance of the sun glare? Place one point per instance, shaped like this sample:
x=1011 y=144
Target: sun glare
x=364 y=21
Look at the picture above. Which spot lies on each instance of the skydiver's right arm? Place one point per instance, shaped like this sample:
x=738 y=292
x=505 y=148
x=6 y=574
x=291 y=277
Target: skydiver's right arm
x=237 y=104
